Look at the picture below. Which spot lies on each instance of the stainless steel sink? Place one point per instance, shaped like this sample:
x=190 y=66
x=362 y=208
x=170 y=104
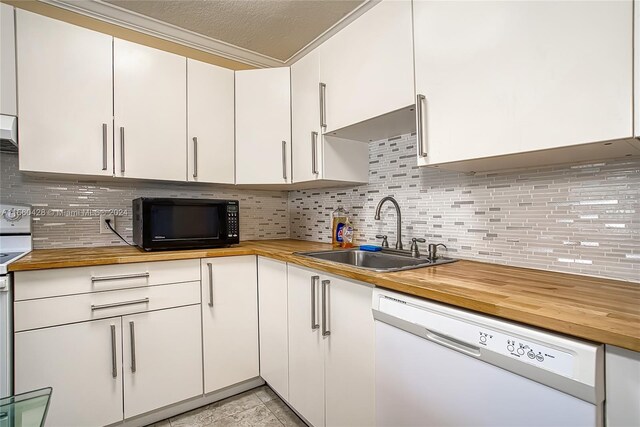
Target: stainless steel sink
x=383 y=261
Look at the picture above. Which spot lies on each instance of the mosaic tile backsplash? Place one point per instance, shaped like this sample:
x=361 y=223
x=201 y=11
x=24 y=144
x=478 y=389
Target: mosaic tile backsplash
x=580 y=219
x=64 y=202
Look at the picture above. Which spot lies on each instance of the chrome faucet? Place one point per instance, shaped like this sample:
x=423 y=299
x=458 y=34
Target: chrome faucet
x=399 y=219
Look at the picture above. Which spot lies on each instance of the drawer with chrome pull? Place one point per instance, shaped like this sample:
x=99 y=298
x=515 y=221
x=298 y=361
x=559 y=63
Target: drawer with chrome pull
x=71 y=281
x=44 y=312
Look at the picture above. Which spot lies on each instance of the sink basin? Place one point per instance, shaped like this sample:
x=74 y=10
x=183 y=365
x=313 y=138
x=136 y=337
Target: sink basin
x=376 y=261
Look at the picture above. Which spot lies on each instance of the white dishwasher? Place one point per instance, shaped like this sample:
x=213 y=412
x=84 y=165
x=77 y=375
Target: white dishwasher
x=438 y=366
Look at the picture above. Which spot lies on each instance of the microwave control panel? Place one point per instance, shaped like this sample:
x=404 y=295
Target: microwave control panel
x=233 y=220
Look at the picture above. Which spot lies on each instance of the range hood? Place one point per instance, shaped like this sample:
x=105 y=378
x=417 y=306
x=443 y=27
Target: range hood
x=8 y=134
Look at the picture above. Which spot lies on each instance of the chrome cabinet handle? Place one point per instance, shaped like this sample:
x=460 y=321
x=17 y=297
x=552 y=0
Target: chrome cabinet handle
x=114 y=367
x=323 y=107
x=419 y=128
x=132 y=332
x=210 y=267
x=314 y=283
x=104 y=146
x=325 y=329
x=118 y=277
x=119 y=304
x=284 y=160
x=195 y=156
x=122 y=149
x=314 y=153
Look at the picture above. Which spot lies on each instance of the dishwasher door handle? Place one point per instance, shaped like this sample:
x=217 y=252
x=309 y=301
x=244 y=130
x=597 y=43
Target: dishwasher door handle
x=453 y=344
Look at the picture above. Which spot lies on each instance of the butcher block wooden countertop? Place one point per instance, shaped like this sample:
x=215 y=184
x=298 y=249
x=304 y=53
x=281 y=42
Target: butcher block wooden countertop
x=600 y=310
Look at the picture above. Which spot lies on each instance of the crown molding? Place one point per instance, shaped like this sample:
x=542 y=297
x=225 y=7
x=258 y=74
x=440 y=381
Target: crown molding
x=113 y=14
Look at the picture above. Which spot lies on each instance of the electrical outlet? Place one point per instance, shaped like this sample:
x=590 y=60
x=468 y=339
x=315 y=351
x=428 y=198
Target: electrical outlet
x=104 y=229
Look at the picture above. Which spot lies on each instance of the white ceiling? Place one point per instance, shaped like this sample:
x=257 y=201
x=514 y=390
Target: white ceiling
x=277 y=29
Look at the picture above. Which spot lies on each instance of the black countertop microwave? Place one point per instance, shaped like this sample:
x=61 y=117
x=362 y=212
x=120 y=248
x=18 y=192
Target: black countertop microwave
x=164 y=223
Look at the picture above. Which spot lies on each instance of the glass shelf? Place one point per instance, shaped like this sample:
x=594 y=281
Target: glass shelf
x=26 y=409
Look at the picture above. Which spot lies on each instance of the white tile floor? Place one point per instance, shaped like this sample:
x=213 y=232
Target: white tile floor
x=259 y=407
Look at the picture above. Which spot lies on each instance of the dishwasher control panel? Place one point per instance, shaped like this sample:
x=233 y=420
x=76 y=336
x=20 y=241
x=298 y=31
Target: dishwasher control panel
x=526 y=351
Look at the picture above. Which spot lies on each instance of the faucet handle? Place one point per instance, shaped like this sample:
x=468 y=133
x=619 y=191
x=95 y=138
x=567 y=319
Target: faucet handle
x=415 y=252
x=385 y=243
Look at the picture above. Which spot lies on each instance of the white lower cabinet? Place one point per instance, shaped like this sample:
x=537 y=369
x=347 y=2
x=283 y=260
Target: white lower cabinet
x=123 y=352
x=331 y=349
x=272 y=312
x=162 y=358
x=83 y=364
x=229 y=320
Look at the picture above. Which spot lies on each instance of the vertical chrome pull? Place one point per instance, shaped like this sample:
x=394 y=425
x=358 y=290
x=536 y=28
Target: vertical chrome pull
x=210 y=267
x=419 y=125
x=104 y=146
x=195 y=156
x=325 y=288
x=284 y=160
x=114 y=366
x=132 y=332
x=323 y=105
x=314 y=283
x=122 y=149
x=314 y=153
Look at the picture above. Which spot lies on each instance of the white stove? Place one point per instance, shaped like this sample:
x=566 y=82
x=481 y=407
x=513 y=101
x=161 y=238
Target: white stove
x=15 y=242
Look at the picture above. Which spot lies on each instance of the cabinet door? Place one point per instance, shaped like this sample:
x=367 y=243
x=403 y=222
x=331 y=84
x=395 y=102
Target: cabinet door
x=350 y=355
x=162 y=358
x=306 y=345
x=210 y=117
x=230 y=321
x=306 y=134
x=7 y=61
x=263 y=126
x=509 y=77
x=150 y=112
x=368 y=66
x=274 y=342
x=83 y=364
x=65 y=97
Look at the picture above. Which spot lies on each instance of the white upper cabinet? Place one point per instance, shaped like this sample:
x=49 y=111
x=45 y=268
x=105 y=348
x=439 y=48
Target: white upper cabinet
x=368 y=66
x=65 y=97
x=210 y=122
x=318 y=157
x=150 y=112
x=7 y=61
x=306 y=133
x=263 y=126
x=511 y=77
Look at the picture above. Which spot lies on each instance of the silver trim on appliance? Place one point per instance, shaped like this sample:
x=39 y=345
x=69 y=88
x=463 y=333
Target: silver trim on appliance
x=119 y=304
